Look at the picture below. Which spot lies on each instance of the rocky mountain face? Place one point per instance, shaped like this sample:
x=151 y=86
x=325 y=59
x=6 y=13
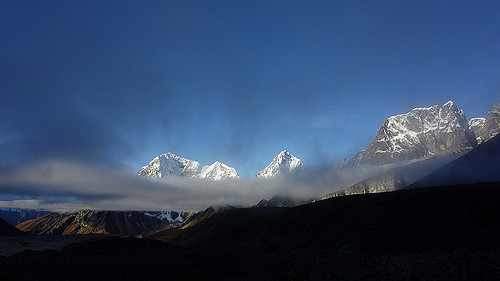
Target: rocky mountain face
x=431 y=136
x=476 y=126
x=103 y=222
x=419 y=133
x=283 y=164
x=491 y=126
x=169 y=164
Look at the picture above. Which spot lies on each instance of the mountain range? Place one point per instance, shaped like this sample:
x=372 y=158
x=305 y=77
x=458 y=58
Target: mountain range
x=130 y=223
x=169 y=164
x=418 y=142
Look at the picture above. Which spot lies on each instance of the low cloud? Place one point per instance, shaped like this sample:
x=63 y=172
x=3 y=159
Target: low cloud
x=70 y=186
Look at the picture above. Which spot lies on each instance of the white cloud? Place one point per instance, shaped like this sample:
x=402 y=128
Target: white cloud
x=69 y=186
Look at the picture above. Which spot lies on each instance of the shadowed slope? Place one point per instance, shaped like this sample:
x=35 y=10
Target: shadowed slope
x=6 y=229
x=437 y=217
x=479 y=165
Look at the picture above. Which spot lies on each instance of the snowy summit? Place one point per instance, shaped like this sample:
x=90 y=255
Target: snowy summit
x=284 y=163
x=169 y=164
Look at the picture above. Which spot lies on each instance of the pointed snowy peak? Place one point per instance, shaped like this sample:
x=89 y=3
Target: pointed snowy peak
x=218 y=171
x=284 y=163
x=169 y=164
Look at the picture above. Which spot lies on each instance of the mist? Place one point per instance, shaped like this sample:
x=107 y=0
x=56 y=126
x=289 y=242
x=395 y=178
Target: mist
x=58 y=185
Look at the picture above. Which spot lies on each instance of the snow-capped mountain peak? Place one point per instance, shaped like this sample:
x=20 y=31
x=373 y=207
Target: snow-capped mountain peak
x=419 y=133
x=218 y=171
x=169 y=164
x=284 y=163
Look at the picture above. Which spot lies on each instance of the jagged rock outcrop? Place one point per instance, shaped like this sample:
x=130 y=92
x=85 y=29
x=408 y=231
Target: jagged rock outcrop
x=420 y=133
x=169 y=164
x=283 y=164
x=491 y=125
x=102 y=222
x=476 y=126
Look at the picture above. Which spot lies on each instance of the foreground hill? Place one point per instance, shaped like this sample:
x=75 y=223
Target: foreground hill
x=6 y=229
x=438 y=233
x=418 y=219
x=480 y=165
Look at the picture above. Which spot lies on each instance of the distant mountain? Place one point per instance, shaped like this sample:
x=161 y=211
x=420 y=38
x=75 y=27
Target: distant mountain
x=169 y=164
x=17 y=216
x=194 y=219
x=103 y=222
x=419 y=133
x=283 y=164
x=480 y=165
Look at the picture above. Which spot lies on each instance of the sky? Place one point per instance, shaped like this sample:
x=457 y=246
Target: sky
x=112 y=84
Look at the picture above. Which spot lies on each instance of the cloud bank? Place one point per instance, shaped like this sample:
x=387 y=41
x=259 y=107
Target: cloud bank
x=71 y=186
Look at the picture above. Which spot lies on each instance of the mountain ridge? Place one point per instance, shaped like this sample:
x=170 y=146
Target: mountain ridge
x=419 y=133
x=169 y=164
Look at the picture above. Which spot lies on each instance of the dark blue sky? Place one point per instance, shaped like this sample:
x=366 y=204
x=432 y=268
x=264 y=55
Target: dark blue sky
x=234 y=81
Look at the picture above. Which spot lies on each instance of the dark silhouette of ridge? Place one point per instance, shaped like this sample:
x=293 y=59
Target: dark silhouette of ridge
x=6 y=229
x=435 y=233
x=450 y=217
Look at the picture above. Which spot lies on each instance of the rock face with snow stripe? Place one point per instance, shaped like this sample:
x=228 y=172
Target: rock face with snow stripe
x=491 y=125
x=218 y=171
x=476 y=126
x=283 y=164
x=169 y=164
x=419 y=133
